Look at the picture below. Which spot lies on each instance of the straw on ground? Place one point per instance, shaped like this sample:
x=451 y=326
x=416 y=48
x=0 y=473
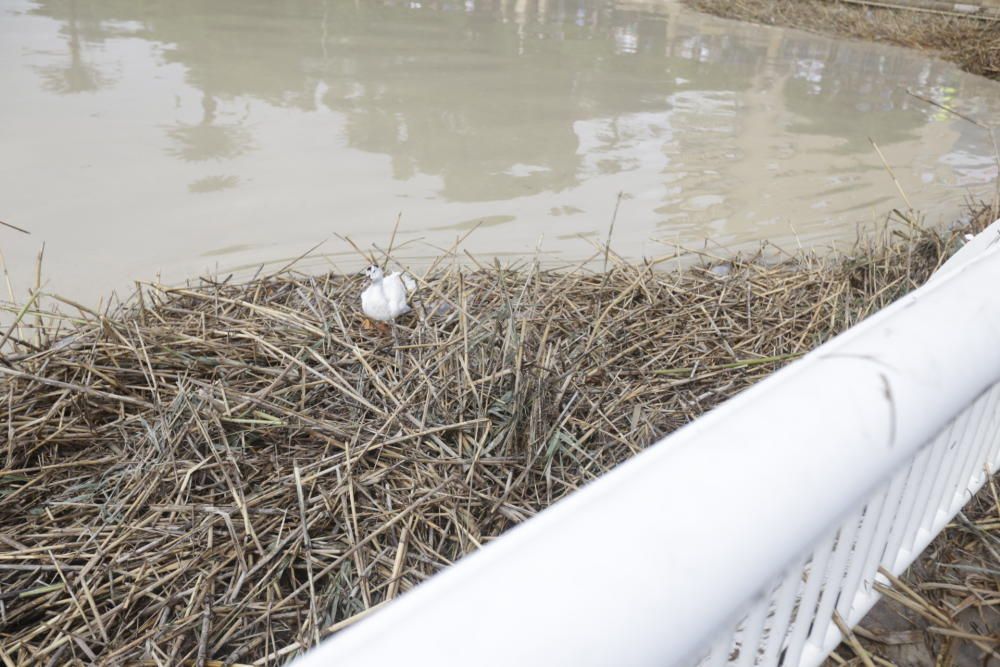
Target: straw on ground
x=231 y=471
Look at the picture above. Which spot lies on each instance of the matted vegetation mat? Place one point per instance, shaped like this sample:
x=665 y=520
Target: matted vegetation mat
x=973 y=44
x=229 y=472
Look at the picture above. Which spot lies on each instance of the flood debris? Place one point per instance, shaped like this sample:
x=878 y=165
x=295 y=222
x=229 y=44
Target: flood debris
x=972 y=43
x=232 y=471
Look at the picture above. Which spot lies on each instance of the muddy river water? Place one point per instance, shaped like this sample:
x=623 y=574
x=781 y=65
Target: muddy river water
x=168 y=138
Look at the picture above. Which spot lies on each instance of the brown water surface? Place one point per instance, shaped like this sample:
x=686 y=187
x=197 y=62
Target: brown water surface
x=175 y=137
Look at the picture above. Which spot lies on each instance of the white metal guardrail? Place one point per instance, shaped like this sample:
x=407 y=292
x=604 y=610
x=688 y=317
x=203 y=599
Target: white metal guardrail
x=735 y=539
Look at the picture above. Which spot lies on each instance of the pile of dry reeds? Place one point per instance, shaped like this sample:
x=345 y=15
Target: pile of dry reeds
x=233 y=471
x=974 y=44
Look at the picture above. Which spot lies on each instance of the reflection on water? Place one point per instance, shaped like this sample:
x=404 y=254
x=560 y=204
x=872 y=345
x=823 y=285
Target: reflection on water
x=208 y=138
x=76 y=73
x=140 y=136
x=213 y=183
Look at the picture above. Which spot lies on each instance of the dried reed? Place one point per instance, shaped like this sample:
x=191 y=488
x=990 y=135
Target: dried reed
x=973 y=44
x=229 y=472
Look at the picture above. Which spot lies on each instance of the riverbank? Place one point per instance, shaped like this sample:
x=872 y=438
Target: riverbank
x=233 y=471
x=973 y=44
